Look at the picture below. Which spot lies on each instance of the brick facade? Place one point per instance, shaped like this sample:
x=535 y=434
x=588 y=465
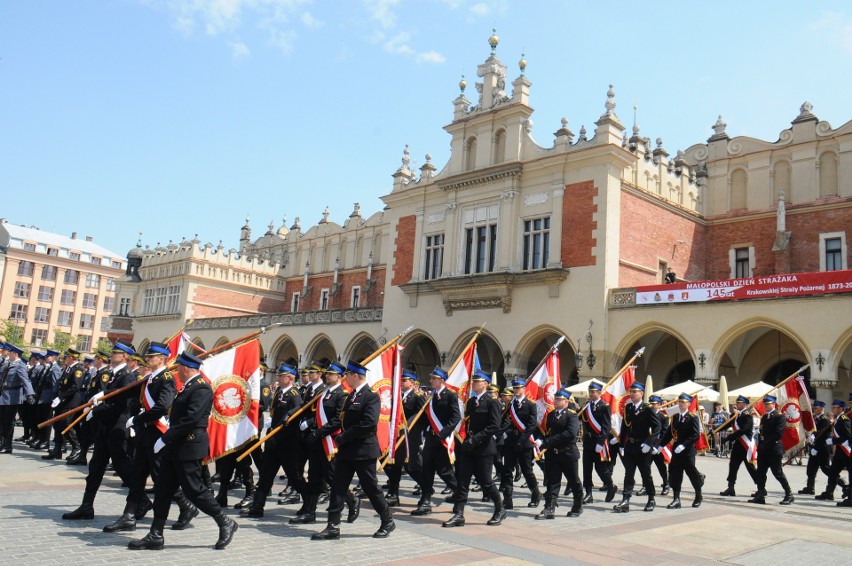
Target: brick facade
x=578 y=223
x=224 y=302
x=343 y=298
x=403 y=254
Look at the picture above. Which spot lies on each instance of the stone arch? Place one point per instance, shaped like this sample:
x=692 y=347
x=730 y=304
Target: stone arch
x=759 y=350
x=669 y=357
x=840 y=360
x=143 y=346
x=738 y=185
x=321 y=348
x=470 y=154
x=491 y=355
x=535 y=344
x=781 y=181
x=828 y=174
x=283 y=351
x=221 y=341
x=361 y=346
x=421 y=354
x=498 y=153
x=198 y=342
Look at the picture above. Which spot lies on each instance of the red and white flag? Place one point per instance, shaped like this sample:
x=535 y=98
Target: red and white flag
x=234 y=376
x=384 y=377
x=617 y=395
x=459 y=381
x=543 y=384
x=794 y=403
x=702 y=445
x=177 y=346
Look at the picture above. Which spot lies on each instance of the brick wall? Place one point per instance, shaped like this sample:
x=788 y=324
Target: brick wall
x=343 y=298
x=649 y=234
x=223 y=302
x=578 y=209
x=403 y=254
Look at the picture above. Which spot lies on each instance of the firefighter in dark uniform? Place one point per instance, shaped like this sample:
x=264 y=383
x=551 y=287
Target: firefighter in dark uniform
x=182 y=448
x=770 y=452
x=27 y=410
x=244 y=470
x=743 y=433
x=67 y=397
x=659 y=460
x=561 y=432
x=436 y=459
x=520 y=422
x=15 y=391
x=820 y=452
x=506 y=397
x=282 y=449
x=476 y=453
x=597 y=419
x=841 y=439
x=110 y=436
x=357 y=451
x=92 y=386
x=684 y=432
x=36 y=374
x=639 y=433
x=412 y=402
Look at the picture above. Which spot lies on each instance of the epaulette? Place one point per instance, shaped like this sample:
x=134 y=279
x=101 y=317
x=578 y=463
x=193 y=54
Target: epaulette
x=572 y=411
x=168 y=375
x=78 y=373
x=292 y=392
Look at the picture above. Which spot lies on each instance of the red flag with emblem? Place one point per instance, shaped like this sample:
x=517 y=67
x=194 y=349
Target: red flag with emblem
x=234 y=376
x=179 y=344
x=702 y=444
x=384 y=377
x=617 y=395
x=459 y=380
x=794 y=403
x=543 y=384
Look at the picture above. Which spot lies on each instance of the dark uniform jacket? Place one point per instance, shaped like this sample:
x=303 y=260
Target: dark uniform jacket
x=115 y=411
x=562 y=427
x=447 y=410
x=842 y=431
x=603 y=416
x=15 y=382
x=50 y=378
x=684 y=430
x=822 y=422
x=772 y=427
x=483 y=422
x=745 y=423
x=68 y=388
x=411 y=405
x=162 y=389
x=187 y=438
x=640 y=426
x=665 y=428
x=98 y=383
x=332 y=405
x=285 y=404
x=527 y=413
x=359 y=422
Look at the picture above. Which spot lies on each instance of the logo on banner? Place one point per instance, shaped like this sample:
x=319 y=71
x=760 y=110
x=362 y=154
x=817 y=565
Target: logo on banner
x=549 y=391
x=792 y=414
x=383 y=388
x=231 y=399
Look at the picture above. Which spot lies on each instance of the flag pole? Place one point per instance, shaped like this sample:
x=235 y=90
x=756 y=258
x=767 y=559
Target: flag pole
x=543 y=361
x=399 y=442
x=636 y=355
x=751 y=405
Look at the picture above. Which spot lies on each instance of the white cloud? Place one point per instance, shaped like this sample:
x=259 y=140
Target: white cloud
x=480 y=9
x=380 y=11
x=836 y=28
x=430 y=57
x=311 y=22
x=239 y=50
x=399 y=44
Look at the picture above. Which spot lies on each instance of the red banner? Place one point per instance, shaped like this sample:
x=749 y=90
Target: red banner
x=769 y=287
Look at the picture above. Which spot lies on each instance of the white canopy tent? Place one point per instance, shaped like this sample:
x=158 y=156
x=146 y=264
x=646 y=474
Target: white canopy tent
x=582 y=388
x=689 y=387
x=753 y=391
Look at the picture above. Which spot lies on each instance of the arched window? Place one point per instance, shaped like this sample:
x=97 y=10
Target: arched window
x=470 y=154
x=739 y=189
x=499 y=148
x=828 y=174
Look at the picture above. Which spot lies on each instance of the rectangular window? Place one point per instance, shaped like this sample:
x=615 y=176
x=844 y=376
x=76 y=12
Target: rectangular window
x=48 y=273
x=356 y=297
x=42 y=314
x=87 y=321
x=53 y=251
x=26 y=268
x=84 y=343
x=109 y=303
x=22 y=290
x=45 y=293
x=95 y=260
x=434 y=258
x=39 y=336
x=90 y=300
x=480 y=249
x=294 y=303
x=65 y=318
x=833 y=254
x=116 y=265
x=104 y=324
x=29 y=247
x=93 y=280
x=68 y=297
x=72 y=277
x=148 y=302
x=124 y=307
x=74 y=256
x=19 y=312
x=110 y=284
x=536 y=243
x=742 y=262
x=324 y=299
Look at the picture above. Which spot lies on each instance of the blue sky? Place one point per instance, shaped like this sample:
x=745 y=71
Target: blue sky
x=178 y=117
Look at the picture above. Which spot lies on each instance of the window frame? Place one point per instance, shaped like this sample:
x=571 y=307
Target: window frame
x=824 y=238
x=528 y=244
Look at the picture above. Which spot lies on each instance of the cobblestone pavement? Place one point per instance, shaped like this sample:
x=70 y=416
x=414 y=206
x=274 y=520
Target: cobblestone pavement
x=34 y=493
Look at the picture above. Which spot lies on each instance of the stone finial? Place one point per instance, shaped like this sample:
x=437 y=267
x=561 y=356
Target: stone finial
x=719 y=132
x=356 y=212
x=325 y=214
x=493 y=41
x=522 y=64
x=271 y=229
x=582 y=134
x=462 y=84
x=805 y=114
x=564 y=132
x=139 y=241
x=296 y=224
x=610 y=104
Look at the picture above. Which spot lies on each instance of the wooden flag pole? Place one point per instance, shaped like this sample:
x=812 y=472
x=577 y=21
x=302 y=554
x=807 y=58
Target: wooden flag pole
x=636 y=355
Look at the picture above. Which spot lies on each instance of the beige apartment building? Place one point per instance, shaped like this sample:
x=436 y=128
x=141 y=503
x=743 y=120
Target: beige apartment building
x=54 y=282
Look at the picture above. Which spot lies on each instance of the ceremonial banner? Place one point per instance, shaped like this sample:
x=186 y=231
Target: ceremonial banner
x=459 y=380
x=617 y=395
x=384 y=376
x=177 y=346
x=234 y=376
x=795 y=404
x=543 y=384
x=702 y=444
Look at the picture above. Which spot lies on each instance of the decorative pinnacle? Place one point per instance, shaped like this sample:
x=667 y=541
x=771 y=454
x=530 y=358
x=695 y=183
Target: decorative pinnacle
x=462 y=84
x=493 y=41
x=139 y=241
x=522 y=64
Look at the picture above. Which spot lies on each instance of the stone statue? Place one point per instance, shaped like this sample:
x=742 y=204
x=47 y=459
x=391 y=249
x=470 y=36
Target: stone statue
x=781 y=213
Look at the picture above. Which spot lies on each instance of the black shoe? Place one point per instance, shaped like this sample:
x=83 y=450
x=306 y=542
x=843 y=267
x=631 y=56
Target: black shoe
x=331 y=532
x=825 y=496
x=610 y=492
x=698 y=500
x=535 y=500
x=284 y=492
x=227 y=528
x=728 y=492
x=496 y=518
x=216 y=478
x=666 y=490
x=244 y=501
x=588 y=499
x=303 y=519
x=642 y=492
x=5 y=450
x=650 y=506
x=546 y=513
x=845 y=503
x=124 y=523
x=424 y=507
x=82 y=513
x=759 y=493
x=354 y=510
x=42 y=445
x=323 y=498
x=575 y=511
x=253 y=511
x=393 y=500
x=386 y=528
x=675 y=504
x=568 y=489
x=151 y=541
x=788 y=499
x=23 y=438
x=186 y=516
x=290 y=499
x=359 y=493
x=446 y=490
x=143 y=509
x=517 y=477
x=80 y=460
x=759 y=500
x=457 y=520
x=73 y=455
x=417 y=491
x=807 y=491
x=485 y=497
x=52 y=456
x=623 y=507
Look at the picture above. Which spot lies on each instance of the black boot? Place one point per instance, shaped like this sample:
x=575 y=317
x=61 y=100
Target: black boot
x=55 y=454
x=188 y=512
x=457 y=520
x=758 y=497
x=142 y=510
x=808 y=490
x=588 y=498
x=535 y=500
x=611 y=490
x=255 y=508
x=308 y=514
x=499 y=510
x=332 y=529
x=507 y=498
x=549 y=509
x=424 y=506
x=651 y=505
x=788 y=498
x=392 y=499
x=699 y=498
x=153 y=540
x=675 y=504
x=387 y=526
x=249 y=497
x=729 y=492
x=577 y=507
x=127 y=521
x=354 y=505
x=624 y=506
x=665 y=490
x=227 y=528
x=85 y=512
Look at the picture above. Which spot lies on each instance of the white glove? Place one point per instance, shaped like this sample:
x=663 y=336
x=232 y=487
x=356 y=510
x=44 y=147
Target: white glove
x=132 y=433
x=266 y=422
x=89 y=415
x=656 y=450
x=645 y=448
x=54 y=403
x=538 y=442
x=158 y=445
x=599 y=448
x=829 y=441
x=613 y=440
x=680 y=448
x=96 y=399
x=505 y=435
x=129 y=423
x=303 y=425
x=811 y=438
x=621 y=451
x=813 y=451
x=846 y=445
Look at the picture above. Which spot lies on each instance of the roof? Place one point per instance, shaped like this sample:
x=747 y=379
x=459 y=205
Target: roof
x=9 y=233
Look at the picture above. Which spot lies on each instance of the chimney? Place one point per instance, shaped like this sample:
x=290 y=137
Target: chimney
x=88 y=238
x=73 y=235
